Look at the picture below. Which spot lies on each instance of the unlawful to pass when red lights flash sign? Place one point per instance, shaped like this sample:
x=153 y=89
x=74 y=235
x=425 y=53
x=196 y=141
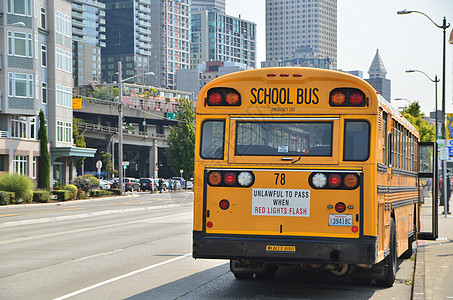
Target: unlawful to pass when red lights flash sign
x=281 y=202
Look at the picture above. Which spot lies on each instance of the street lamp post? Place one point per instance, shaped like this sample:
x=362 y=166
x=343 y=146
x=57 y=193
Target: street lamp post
x=435 y=80
x=16 y=24
x=444 y=26
x=120 y=121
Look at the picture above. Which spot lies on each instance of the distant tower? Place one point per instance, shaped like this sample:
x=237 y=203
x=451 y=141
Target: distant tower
x=377 y=79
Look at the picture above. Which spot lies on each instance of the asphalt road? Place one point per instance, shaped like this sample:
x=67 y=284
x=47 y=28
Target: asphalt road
x=139 y=247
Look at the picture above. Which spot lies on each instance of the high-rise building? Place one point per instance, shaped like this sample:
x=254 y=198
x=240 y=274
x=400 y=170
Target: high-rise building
x=170 y=35
x=147 y=36
x=88 y=36
x=128 y=39
x=35 y=75
x=209 y=4
x=301 y=26
x=378 y=78
x=219 y=37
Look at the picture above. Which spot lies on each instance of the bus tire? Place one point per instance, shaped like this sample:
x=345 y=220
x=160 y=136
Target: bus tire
x=243 y=276
x=390 y=260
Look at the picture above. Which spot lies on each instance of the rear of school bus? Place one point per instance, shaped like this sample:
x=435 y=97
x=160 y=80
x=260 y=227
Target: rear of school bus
x=285 y=171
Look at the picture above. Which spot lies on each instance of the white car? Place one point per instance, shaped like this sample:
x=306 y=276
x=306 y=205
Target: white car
x=104 y=184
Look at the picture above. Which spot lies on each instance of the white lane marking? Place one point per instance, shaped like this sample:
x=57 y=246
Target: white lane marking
x=121 y=277
x=88 y=229
x=83 y=216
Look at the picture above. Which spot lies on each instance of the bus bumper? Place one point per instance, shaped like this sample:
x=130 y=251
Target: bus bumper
x=298 y=250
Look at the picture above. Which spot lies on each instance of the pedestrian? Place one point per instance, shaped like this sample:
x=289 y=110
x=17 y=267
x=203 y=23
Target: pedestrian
x=161 y=185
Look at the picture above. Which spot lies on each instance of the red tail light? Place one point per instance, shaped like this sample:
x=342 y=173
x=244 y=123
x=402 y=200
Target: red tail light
x=334 y=180
x=356 y=98
x=340 y=207
x=230 y=178
x=224 y=204
x=215 y=98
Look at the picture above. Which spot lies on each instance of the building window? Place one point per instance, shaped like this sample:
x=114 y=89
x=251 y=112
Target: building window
x=20 y=44
x=33 y=172
x=20 y=7
x=64 y=95
x=43 y=17
x=44 y=55
x=20 y=164
x=18 y=127
x=33 y=128
x=64 y=60
x=63 y=29
x=64 y=132
x=44 y=92
x=18 y=86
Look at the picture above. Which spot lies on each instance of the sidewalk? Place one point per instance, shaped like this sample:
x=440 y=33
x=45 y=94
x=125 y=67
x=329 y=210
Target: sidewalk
x=434 y=264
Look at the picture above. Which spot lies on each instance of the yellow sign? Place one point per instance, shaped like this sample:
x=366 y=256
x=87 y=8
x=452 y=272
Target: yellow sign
x=76 y=103
x=449 y=125
x=272 y=248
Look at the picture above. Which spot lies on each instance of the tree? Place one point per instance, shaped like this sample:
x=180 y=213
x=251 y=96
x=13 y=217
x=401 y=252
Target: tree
x=79 y=140
x=44 y=161
x=107 y=160
x=414 y=115
x=105 y=93
x=181 y=140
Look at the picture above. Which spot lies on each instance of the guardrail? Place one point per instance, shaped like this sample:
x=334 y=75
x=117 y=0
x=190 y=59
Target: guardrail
x=114 y=130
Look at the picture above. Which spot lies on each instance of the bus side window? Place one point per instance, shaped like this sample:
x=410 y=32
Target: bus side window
x=357 y=141
x=212 y=139
x=390 y=149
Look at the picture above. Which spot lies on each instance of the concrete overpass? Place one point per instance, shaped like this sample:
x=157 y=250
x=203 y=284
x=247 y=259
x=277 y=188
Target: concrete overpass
x=144 y=135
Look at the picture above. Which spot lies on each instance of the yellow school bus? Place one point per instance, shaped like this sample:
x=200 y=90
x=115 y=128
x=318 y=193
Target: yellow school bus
x=305 y=167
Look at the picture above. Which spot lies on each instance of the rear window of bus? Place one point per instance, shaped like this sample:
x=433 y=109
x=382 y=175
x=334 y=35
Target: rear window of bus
x=295 y=138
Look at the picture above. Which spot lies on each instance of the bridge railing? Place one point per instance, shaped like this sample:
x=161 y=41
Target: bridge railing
x=114 y=130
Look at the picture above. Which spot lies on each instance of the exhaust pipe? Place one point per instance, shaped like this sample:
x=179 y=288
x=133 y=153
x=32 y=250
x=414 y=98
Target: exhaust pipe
x=335 y=256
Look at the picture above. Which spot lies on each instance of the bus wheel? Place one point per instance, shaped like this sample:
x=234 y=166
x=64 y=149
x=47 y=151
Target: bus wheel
x=243 y=276
x=390 y=260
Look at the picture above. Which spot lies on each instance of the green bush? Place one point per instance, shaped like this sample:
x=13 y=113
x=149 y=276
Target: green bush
x=81 y=194
x=100 y=193
x=73 y=189
x=115 y=191
x=21 y=185
x=5 y=197
x=41 y=196
x=62 y=195
x=85 y=182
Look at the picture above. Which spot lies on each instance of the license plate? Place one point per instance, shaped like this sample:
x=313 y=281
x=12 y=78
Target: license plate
x=340 y=220
x=275 y=248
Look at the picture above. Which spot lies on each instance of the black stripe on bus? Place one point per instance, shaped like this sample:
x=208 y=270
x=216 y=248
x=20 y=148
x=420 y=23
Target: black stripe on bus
x=404 y=202
x=381 y=168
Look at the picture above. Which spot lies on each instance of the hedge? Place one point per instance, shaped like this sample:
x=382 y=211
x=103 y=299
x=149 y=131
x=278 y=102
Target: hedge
x=62 y=195
x=115 y=192
x=99 y=193
x=6 y=197
x=41 y=196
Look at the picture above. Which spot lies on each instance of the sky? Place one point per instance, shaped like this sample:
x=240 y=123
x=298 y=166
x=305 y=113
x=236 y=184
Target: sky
x=404 y=41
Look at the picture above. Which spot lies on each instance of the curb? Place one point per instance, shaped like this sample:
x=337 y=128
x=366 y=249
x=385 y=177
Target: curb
x=418 y=287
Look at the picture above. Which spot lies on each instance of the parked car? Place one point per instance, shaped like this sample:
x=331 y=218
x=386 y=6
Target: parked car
x=104 y=184
x=147 y=184
x=189 y=184
x=130 y=184
x=181 y=181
